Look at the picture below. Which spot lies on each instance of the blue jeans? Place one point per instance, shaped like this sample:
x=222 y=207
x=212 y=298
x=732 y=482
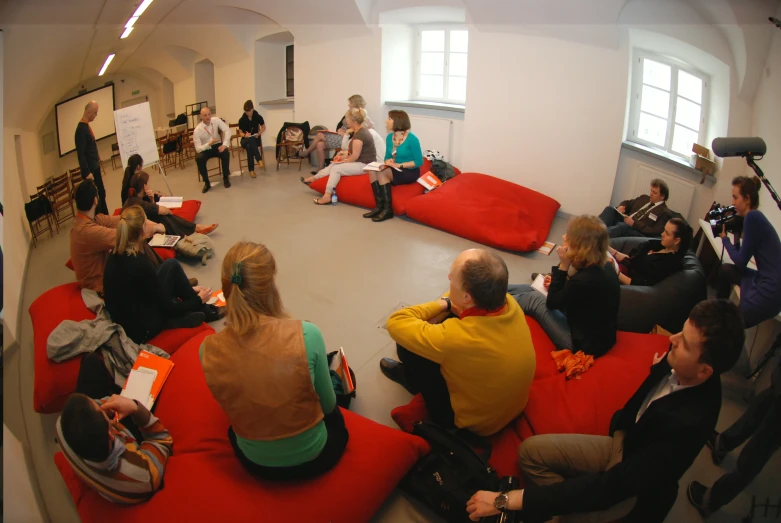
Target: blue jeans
x=553 y=321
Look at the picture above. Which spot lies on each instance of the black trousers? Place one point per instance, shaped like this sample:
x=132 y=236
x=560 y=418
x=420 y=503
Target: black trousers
x=728 y=276
x=610 y=216
x=95 y=382
x=214 y=152
x=425 y=376
x=252 y=145
x=325 y=461
x=102 y=208
x=762 y=424
x=176 y=286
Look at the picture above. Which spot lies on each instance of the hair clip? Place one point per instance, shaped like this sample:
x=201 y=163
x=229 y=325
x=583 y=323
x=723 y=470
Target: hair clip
x=236 y=277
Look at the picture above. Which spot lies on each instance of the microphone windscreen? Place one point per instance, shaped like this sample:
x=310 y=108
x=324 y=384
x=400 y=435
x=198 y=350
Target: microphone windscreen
x=726 y=147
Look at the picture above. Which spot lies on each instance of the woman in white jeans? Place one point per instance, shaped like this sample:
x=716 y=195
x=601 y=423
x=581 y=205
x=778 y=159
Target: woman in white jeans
x=361 y=151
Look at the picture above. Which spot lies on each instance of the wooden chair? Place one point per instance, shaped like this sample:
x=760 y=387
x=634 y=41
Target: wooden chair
x=188 y=146
x=61 y=199
x=75 y=178
x=171 y=149
x=287 y=149
x=39 y=215
x=243 y=162
x=115 y=156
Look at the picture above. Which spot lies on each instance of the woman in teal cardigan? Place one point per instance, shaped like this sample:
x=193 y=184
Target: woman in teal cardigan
x=403 y=159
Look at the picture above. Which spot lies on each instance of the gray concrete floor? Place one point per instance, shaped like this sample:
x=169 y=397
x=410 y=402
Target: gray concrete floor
x=337 y=270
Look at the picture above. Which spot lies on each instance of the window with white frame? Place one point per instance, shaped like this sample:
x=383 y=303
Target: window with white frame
x=440 y=74
x=668 y=105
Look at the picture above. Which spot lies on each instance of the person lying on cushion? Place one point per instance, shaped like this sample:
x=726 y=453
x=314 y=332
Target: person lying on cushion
x=262 y=364
x=580 y=311
x=360 y=152
x=140 y=194
x=403 y=159
x=654 y=260
x=143 y=299
x=335 y=140
x=470 y=354
x=93 y=236
x=633 y=474
x=103 y=451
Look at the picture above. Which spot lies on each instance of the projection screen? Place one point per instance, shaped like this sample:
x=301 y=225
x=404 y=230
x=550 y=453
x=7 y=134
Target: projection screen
x=69 y=113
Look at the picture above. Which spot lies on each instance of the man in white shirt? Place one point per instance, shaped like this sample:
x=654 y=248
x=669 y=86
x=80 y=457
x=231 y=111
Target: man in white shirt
x=209 y=144
x=644 y=216
x=654 y=439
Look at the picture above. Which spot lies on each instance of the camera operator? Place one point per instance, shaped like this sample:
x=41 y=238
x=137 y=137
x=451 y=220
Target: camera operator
x=760 y=290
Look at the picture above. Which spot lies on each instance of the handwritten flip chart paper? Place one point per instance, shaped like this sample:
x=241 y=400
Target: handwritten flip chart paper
x=135 y=133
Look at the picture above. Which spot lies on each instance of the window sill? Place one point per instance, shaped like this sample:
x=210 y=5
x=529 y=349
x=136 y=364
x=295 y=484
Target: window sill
x=669 y=158
x=280 y=101
x=453 y=108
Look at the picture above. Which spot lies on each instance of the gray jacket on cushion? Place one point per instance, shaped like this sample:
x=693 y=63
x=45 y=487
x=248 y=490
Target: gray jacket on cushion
x=668 y=303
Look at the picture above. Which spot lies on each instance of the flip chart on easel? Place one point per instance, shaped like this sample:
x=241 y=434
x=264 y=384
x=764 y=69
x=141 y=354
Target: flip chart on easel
x=136 y=134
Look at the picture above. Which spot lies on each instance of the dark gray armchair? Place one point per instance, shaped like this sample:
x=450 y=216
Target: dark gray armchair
x=667 y=303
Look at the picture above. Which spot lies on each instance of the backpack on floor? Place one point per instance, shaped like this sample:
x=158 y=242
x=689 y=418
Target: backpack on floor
x=450 y=474
x=196 y=245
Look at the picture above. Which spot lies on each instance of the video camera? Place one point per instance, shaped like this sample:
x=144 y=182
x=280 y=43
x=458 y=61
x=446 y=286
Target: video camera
x=720 y=216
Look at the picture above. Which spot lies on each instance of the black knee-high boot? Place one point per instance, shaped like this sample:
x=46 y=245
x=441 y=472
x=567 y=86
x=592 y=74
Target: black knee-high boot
x=378 y=201
x=387 y=205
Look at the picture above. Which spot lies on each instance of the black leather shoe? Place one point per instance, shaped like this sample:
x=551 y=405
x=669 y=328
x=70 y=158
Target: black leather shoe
x=213 y=313
x=227 y=183
x=716 y=454
x=534 y=275
x=696 y=495
x=394 y=371
x=206 y=188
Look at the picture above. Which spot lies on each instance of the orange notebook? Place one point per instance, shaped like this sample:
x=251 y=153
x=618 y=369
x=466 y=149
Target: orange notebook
x=340 y=366
x=429 y=181
x=147 y=377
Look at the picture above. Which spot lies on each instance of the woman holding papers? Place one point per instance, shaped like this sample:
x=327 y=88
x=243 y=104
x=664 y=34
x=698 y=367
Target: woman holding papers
x=140 y=194
x=654 y=260
x=134 y=165
x=143 y=299
x=269 y=373
x=579 y=312
x=403 y=159
x=760 y=290
x=361 y=151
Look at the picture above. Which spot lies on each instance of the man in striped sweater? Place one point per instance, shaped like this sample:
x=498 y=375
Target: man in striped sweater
x=104 y=452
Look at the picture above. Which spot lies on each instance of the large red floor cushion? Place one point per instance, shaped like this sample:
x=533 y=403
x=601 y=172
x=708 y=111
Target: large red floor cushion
x=54 y=382
x=205 y=482
x=487 y=210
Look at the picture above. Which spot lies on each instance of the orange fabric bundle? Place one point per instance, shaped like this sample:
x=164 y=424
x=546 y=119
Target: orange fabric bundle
x=573 y=365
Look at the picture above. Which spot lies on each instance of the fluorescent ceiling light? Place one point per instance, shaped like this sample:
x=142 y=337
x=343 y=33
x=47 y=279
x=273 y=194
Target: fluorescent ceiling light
x=142 y=8
x=126 y=33
x=105 y=64
x=130 y=22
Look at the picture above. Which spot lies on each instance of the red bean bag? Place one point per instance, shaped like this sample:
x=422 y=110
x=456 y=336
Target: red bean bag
x=560 y=406
x=487 y=210
x=357 y=190
x=54 y=382
x=205 y=482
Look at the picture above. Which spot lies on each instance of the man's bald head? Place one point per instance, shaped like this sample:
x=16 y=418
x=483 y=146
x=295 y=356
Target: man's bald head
x=483 y=276
x=91 y=110
x=206 y=115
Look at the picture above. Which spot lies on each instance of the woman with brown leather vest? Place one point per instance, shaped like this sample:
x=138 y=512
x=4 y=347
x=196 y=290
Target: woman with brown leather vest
x=269 y=373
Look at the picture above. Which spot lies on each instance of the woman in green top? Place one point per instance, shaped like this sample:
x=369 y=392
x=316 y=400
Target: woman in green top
x=270 y=375
x=403 y=159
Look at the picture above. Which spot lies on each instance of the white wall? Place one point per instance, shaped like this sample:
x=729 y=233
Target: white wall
x=546 y=114
x=398 y=49
x=234 y=84
x=204 y=82
x=767 y=124
x=167 y=97
x=269 y=70
x=19 y=502
x=184 y=94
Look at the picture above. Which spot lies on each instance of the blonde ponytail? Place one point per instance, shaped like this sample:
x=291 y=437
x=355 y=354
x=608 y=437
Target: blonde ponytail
x=248 y=273
x=130 y=230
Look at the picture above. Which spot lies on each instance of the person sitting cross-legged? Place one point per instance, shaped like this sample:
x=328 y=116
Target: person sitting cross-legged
x=104 y=452
x=633 y=474
x=269 y=373
x=469 y=354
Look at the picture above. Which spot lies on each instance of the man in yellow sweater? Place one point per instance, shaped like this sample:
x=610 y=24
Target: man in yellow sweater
x=470 y=353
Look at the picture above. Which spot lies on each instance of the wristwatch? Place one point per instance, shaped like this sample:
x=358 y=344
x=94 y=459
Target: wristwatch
x=449 y=305
x=500 y=503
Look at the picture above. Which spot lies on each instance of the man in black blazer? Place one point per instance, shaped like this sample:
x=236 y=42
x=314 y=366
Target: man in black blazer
x=634 y=472
x=644 y=216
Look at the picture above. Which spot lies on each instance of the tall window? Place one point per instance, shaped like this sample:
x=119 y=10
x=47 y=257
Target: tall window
x=289 y=70
x=441 y=65
x=668 y=105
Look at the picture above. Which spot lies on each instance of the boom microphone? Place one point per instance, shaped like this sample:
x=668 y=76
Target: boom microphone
x=726 y=147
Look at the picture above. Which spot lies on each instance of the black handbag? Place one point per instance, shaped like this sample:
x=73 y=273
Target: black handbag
x=450 y=474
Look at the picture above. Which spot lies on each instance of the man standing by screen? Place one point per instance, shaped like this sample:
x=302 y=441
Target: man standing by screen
x=87 y=151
